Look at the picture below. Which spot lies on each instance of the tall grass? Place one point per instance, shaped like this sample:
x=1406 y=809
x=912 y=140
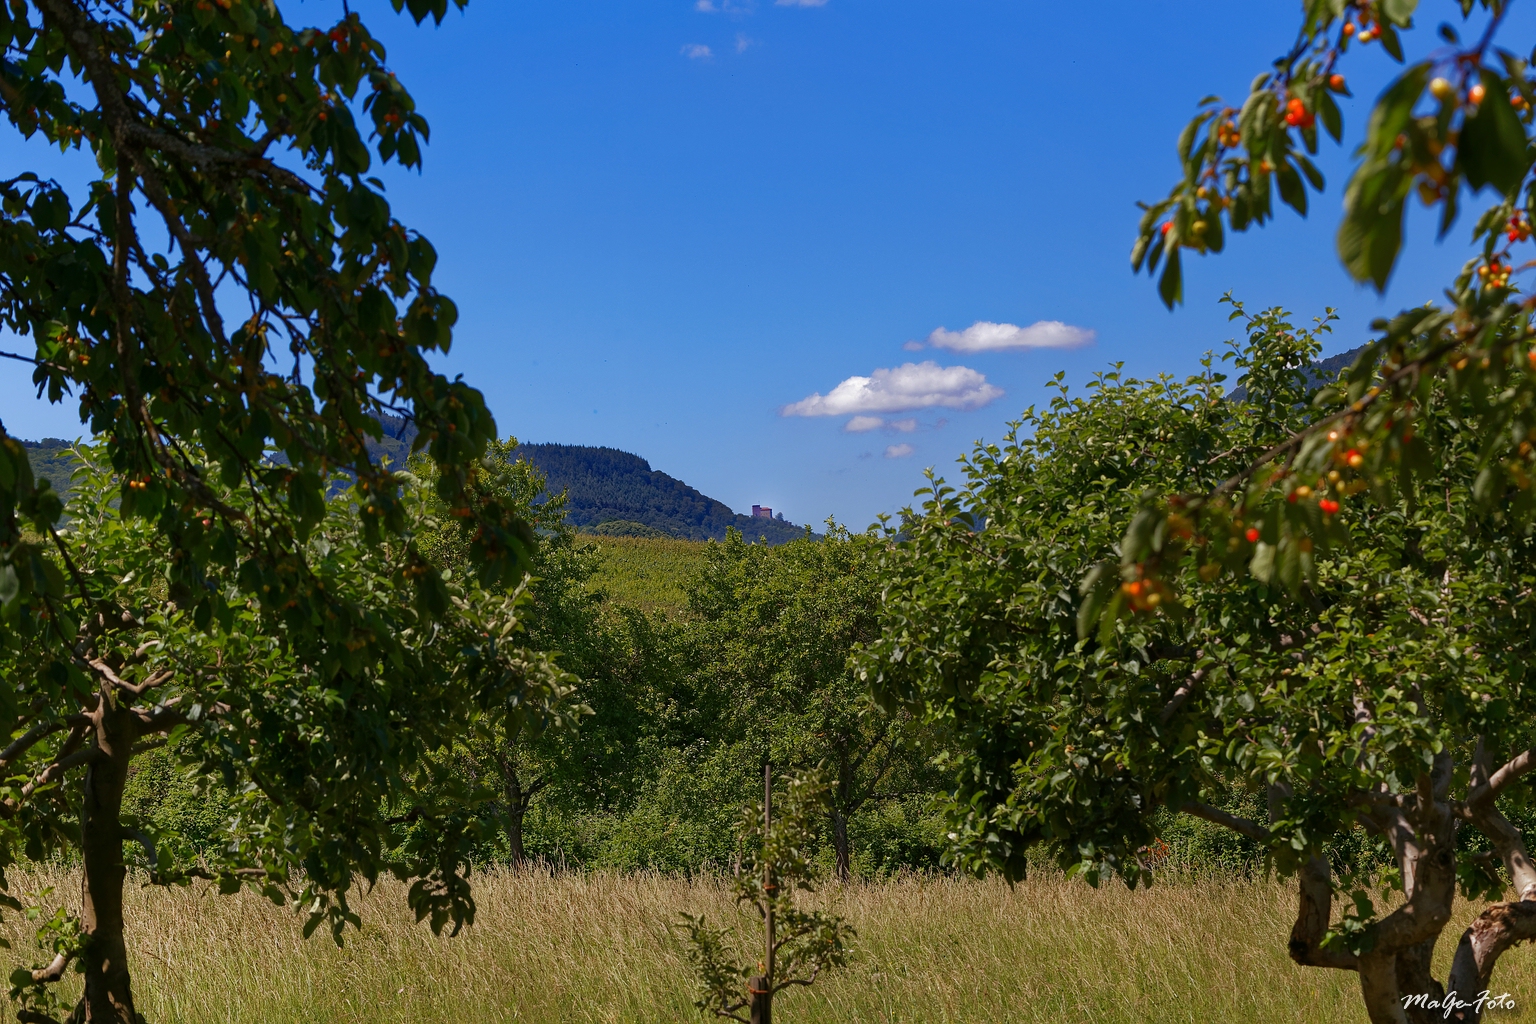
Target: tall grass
x=598 y=948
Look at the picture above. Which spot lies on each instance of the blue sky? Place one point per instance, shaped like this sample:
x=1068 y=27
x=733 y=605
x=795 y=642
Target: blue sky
x=663 y=225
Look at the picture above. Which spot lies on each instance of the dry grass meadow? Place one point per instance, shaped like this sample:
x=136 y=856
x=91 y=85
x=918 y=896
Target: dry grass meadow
x=597 y=948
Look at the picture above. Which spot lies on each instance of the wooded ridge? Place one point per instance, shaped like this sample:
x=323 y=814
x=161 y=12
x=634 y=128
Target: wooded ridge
x=603 y=486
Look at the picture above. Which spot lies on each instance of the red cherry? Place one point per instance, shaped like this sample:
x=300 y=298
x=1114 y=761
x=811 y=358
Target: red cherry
x=1167 y=226
x=1329 y=506
x=1252 y=535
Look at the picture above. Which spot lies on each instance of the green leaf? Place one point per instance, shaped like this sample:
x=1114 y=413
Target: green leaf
x=1372 y=230
x=1313 y=175
x=1170 y=287
x=1493 y=141
x=1328 y=111
x=1399 y=12
x=1394 y=110
x=1288 y=568
x=1292 y=192
x=1391 y=42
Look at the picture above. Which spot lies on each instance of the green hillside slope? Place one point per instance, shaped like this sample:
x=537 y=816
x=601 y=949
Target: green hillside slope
x=51 y=461
x=647 y=573
x=606 y=485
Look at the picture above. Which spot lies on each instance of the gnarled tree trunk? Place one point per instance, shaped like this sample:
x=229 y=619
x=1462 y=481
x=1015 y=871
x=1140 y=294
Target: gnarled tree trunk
x=108 y=997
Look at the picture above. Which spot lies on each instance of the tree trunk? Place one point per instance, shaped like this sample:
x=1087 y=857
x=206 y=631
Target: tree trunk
x=1414 y=975
x=761 y=1011
x=517 y=808
x=1425 y=847
x=840 y=845
x=761 y=987
x=108 y=998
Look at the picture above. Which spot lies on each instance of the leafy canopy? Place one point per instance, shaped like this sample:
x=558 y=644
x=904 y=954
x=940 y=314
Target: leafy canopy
x=233 y=309
x=1370 y=679
x=1455 y=125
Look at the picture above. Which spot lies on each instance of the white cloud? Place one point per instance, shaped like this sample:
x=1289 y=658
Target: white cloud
x=985 y=336
x=742 y=42
x=705 y=6
x=697 y=51
x=899 y=451
x=800 y=3
x=913 y=346
x=905 y=426
x=859 y=424
x=907 y=387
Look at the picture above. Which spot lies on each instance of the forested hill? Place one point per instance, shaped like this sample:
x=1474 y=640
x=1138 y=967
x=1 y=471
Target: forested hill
x=609 y=491
x=605 y=485
x=51 y=461
x=1326 y=371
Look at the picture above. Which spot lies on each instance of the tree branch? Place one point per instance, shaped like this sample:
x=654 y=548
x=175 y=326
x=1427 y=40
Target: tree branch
x=1495 y=930
x=32 y=736
x=1180 y=695
x=54 y=971
x=1506 y=776
x=106 y=672
x=1484 y=814
x=1314 y=909
x=797 y=981
x=167 y=717
x=1215 y=815
x=53 y=773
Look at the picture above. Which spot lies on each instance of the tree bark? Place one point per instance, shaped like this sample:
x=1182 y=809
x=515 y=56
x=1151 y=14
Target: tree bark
x=517 y=809
x=108 y=997
x=1312 y=916
x=761 y=1007
x=1415 y=974
x=840 y=845
x=761 y=987
x=1496 y=929
x=1424 y=841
